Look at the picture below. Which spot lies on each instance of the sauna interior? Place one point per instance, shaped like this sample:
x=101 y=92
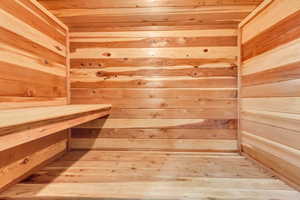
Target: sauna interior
x=149 y=99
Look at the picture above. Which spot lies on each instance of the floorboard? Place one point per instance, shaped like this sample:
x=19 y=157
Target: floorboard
x=143 y=175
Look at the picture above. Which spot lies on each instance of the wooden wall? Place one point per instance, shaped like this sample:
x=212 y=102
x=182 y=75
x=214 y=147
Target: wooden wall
x=32 y=56
x=168 y=68
x=270 y=104
x=93 y=15
x=170 y=90
x=33 y=68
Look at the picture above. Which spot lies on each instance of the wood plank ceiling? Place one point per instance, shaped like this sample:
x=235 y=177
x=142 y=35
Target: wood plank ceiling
x=95 y=15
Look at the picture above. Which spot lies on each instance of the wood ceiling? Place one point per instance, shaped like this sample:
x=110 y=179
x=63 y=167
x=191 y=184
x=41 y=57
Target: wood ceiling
x=95 y=15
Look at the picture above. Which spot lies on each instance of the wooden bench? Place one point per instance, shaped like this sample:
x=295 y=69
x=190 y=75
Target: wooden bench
x=33 y=123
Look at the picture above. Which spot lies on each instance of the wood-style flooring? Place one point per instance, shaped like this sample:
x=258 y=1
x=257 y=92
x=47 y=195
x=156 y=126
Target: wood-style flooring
x=116 y=175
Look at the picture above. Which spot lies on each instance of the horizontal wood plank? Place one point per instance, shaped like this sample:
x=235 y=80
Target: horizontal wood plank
x=173 y=113
x=178 y=145
x=179 y=93
x=97 y=63
x=92 y=81
x=195 y=71
x=278 y=89
x=281 y=56
x=278 y=134
x=162 y=133
x=283 y=105
x=282 y=73
x=29 y=82
x=150 y=103
x=153 y=42
x=160 y=123
x=173 y=52
x=138 y=33
x=283 y=120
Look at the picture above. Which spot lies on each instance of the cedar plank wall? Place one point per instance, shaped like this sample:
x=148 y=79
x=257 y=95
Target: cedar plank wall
x=270 y=104
x=170 y=90
x=32 y=56
x=168 y=68
x=32 y=73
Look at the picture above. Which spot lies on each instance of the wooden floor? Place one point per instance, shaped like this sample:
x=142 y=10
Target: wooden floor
x=151 y=175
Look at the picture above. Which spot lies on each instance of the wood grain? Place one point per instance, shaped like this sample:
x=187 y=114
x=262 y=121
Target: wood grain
x=160 y=103
x=270 y=88
x=93 y=15
x=150 y=144
x=21 y=159
x=208 y=113
x=160 y=123
x=33 y=74
x=99 y=63
x=161 y=133
x=281 y=33
x=32 y=56
x=178 y=93
x=151 y=175
x=64 y=4
x=156 y=80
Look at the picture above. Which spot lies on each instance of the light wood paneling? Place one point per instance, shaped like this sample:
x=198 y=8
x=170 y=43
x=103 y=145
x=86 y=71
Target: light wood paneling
x=270 y=88
x=179 y=81
x=32 y=74
x=32 y=56
x=65 y=4
x=93 y=15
